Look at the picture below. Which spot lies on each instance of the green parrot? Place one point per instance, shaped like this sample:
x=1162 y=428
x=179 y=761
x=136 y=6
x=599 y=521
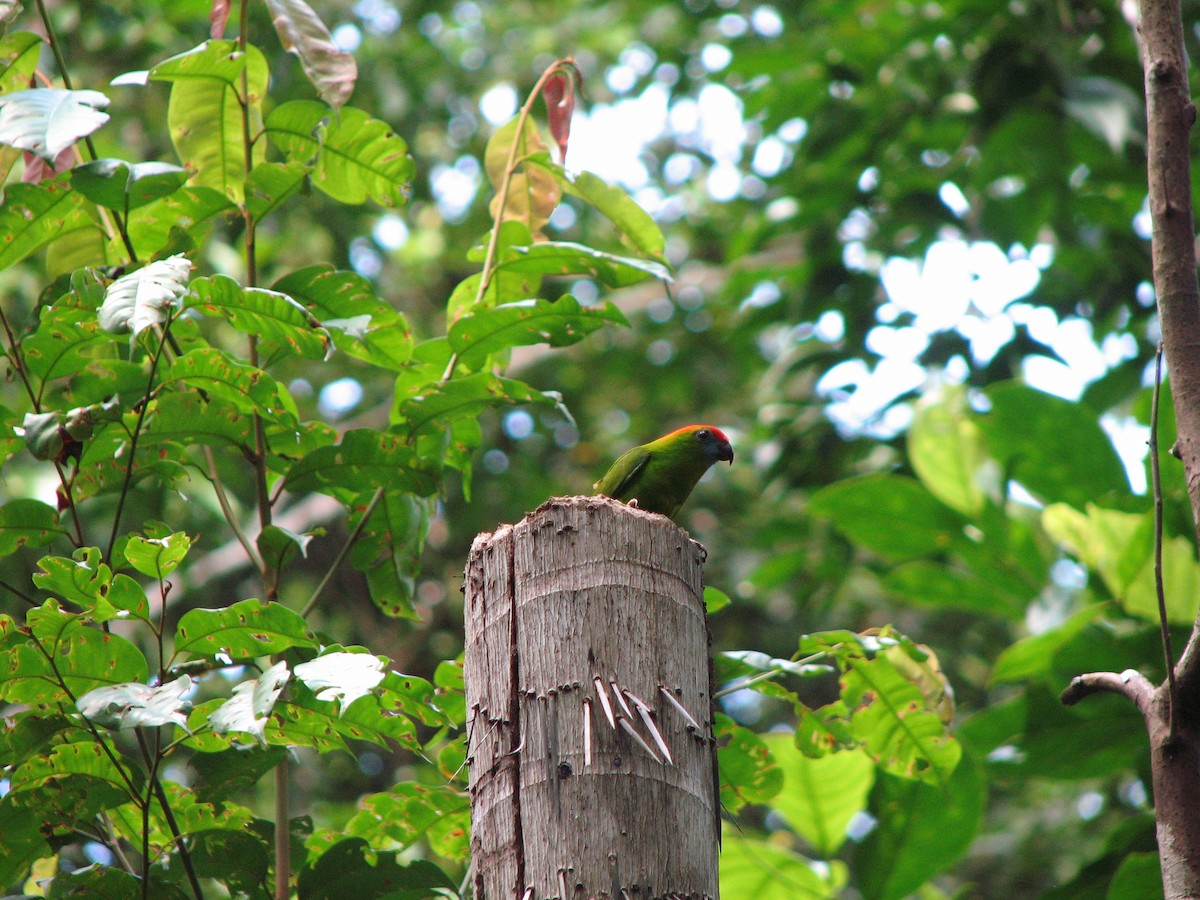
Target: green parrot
x=659 y=476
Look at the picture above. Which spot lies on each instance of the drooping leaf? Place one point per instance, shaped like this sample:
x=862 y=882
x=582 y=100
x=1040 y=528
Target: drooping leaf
x=559 y=94
x=633 y=222
x=332 y=72
x=363 y=457
x=249 y=389
x=47 y=121
x=176 y=222
x=353 y=157
x=402 y=814
x=566 y=258
x=272 y=316
x=463 y=398
x=389 y=549
x=146 y=296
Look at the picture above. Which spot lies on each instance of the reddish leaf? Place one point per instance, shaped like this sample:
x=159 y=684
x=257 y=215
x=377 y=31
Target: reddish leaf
x=559 y=94
x=217 y=17
x=37 y=169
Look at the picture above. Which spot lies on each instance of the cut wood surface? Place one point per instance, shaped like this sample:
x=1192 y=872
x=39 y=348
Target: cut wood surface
x=589 y=696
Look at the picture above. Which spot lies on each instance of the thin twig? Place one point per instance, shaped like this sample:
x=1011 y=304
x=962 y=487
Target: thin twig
x=133 y=440
x=350 y=541
x=1130 y=684
x=227 y=510
x=185 y=857
x=1156 y=479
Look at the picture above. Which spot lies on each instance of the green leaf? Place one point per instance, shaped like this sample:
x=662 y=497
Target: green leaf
x=558 y=323
x=351 y=869
x=463 y=398
x=1054 y=447
x=157 y=557
x=565 y=258
x=238 y=859
x=84 y=658
x=18 y=59
x=389 y=550
x=248 y=629
x=96 y=880
x=80 y=758
x=247 y=388
x=362 y=325
x=928 y=583
x=364 y=457
x=1119 y=547
x=188 y=418
x=231 y=773
x=354 y=158
x=301 y=31
x=748 y=772
x=47 y=121
x=820 y=795
x=33 y=215
x=205 y=111
x=1139 y=877
x=1031 y=657
x=889 y=715
x=945 y=447
x=65 y=341
x=272 y=316
x=922 y=829
x=27 y=523
x=270 y=183
x=633 y=222
x=715 y=600
x=116 y=184
x=402 y=814
x=894 y=516
x=166 y=222
x=764 y=870
x=23 y=842
x=83 y=580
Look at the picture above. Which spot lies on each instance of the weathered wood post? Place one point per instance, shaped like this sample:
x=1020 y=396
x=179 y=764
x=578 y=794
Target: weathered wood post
x=590 y=749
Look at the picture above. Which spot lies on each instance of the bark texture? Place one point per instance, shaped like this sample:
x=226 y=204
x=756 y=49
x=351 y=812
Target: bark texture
x=586 y=779
x=1174 y=753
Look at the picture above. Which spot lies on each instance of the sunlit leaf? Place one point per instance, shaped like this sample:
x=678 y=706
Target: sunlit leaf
x=133 y=705
x=47 y=121
x=463 y=398
x=18 y=59
x=66 y=339
x=116 y=184
x=354 y=158
x=748 y=772
x=565 y=258
x=249 y=389
x=945 y=448
x=764 y=870
x=633 y=222
x=146 y=296
x=532 y=192
x=205 y=111
x=332 y=72
x=249 y=709
x=270 y=183
x=27 y=523
x=157 y=557
x=343 y=677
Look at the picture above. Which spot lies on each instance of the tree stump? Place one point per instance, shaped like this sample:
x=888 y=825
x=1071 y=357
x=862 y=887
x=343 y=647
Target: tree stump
x=589 y=697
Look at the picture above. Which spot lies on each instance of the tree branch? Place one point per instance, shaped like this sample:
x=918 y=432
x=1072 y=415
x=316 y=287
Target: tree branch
x=1131 y=684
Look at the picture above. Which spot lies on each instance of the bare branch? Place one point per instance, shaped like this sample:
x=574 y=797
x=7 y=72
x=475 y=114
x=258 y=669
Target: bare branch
x=1130 y=684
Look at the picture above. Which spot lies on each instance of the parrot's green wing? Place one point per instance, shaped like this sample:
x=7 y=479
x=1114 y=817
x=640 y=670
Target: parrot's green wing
x=621 y=479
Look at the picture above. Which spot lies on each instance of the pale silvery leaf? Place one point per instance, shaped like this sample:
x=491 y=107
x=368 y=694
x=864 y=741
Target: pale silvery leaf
x=47 y=121
x=133 y=703
x=250 y=706
x=342 y=676
x=140 y=299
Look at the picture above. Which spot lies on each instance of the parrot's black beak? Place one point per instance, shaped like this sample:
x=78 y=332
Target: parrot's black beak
x=725 y=451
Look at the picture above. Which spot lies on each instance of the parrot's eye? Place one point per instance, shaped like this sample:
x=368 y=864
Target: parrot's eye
x=704 y=434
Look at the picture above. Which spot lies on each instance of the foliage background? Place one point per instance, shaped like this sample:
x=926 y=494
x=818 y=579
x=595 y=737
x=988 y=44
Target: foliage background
x=1001 y=531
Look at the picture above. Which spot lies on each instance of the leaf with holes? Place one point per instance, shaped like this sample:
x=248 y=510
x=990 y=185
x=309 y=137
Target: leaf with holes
x=146 y=296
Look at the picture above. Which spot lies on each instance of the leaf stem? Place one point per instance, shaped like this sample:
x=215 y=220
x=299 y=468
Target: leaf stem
x=227 y=510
